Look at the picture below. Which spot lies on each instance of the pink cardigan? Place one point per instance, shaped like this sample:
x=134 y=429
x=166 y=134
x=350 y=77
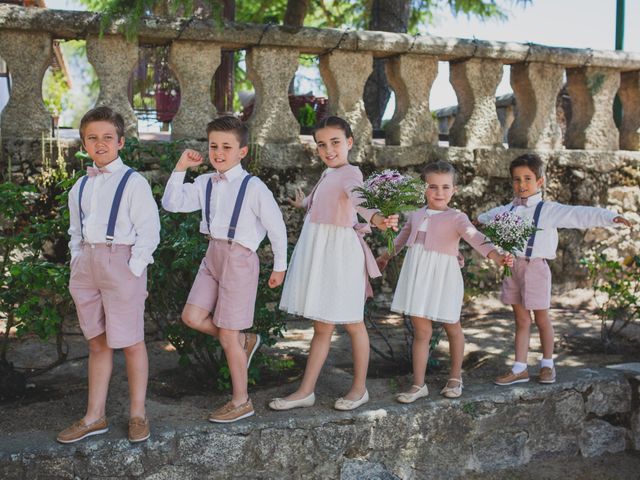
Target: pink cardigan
x=333 y=200
x=443 y=233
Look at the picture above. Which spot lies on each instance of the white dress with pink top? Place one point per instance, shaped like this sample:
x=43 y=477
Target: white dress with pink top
x=326 y=279
x=430 y=283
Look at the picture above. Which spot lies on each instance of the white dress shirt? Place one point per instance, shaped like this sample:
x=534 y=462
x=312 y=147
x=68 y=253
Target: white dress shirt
x=553 y=216
x=138 y=222
x=260 y=213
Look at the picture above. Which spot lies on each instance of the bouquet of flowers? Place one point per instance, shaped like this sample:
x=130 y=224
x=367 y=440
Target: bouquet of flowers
x=510 y=232
x=391 y=192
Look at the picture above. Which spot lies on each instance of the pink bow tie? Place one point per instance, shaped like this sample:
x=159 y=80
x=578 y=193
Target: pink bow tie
x=218 y=177
x=518 y=201
x=93 y=171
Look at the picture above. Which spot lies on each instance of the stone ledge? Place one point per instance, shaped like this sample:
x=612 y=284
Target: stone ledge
x=490 y=428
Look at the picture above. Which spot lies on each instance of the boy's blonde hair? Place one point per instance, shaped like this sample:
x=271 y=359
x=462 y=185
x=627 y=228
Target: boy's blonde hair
x=102 y=114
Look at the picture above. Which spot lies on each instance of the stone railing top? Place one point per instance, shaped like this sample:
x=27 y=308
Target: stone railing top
x=73 y=25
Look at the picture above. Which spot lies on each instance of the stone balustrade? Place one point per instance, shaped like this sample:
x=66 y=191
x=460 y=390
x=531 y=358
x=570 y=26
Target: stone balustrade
x=588 y=159
x=593 y=79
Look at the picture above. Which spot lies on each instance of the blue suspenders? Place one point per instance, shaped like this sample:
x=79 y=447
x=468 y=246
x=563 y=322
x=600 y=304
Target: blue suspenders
x=115 y=206
x=532 y=238
x=236 y=209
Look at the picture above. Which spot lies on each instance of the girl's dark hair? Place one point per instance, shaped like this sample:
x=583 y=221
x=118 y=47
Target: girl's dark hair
x=335 y=122
x=439 y=167
x=102 y=114
x=229 y=123
x=530 y=160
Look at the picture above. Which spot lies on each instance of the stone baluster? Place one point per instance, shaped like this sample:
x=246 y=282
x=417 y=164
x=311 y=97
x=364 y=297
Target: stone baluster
x=629 y=94
x=113 y=59
x=194 y=64
x=271 y=69
x=344 y=75
x=28 y=55
x=536 y=87
x=592 y=91
x=411 y=76
x=476 y=124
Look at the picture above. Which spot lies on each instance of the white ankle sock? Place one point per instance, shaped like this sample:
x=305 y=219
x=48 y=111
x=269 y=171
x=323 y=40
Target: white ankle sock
x=518 y=367
x=546 y=362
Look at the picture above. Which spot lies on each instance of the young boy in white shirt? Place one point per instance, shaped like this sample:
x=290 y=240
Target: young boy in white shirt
x=529 y=288
x=114 y=231
x=237 y=211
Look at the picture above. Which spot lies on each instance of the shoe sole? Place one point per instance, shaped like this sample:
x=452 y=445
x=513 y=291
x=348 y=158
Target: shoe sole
x=255 y=348
x=292 y=407
x=547 y=381
x=95 y=432
x=140 y=439
x=248 y=414
x=524 y=380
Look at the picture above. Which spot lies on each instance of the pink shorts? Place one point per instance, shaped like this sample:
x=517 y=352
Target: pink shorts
x=108 y=297
x=227 y=284
x=529 y=285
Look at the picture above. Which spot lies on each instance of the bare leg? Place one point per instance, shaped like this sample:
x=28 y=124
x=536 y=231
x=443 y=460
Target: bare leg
x=199 y=319
x=422 y=331
x=456 y=348
x=318 y=352
x=523 y=332
x=545 y=329
x=237 y=361
x=360 y=351
x=100 y=368
x=138 y=375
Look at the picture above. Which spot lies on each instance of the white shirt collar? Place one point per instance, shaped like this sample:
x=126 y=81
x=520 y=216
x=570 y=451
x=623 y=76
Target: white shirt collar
x=234 y=172
x=113 y=166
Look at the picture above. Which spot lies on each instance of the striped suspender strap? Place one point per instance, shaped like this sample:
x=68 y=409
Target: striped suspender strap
x=83 y=182
x=237 y=207
x=532 y=238
x=207 y=205
x=115 y=206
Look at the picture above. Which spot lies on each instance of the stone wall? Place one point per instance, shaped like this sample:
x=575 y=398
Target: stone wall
x=590 y=412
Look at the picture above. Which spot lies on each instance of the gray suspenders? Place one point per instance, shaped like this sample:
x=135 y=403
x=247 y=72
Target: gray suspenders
x=115 y=206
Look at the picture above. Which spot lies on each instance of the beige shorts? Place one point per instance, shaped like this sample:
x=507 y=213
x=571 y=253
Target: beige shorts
x=227 y=284
x=529 y=285
x=109 y=298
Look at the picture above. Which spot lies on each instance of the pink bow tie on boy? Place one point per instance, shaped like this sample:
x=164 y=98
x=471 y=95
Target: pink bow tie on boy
x=218 y=177
x=93 y=171
x=519 y=202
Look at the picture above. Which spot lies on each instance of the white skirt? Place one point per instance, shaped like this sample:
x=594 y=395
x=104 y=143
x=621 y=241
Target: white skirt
x=326 y=276
x=430 y=285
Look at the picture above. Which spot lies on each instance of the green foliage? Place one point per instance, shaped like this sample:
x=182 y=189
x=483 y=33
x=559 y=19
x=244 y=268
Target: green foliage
x=34 y=297
x=55 y=92
x=307 y=116
x=620 y=284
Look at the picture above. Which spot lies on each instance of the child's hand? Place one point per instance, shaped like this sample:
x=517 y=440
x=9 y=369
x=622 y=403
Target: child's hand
x=621 y=219
x=189 y=158
x=507 y=259
x=385 y=222
x=382 y=261
x=276 y=279
x=297 y=201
